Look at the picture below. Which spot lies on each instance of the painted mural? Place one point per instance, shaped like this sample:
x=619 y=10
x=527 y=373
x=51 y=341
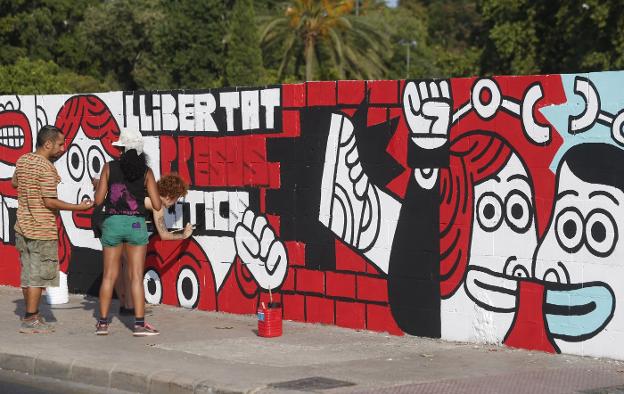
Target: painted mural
x=472 y=209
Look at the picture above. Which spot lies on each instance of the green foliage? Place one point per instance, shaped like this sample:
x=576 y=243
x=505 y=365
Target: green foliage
x=125 y=44
x=440 y=37
x=408 y=35
x=27 y=76
x=323 y=39
x=512 y=38
x=557 y=36
x=243 y=64
x=454 y=28
x=117 y=36
x=56 y=46
x=34 y=28
x=188 y=46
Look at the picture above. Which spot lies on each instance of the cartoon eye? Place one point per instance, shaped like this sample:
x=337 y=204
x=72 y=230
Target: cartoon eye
x=75 y=162
x=520 y=271
x=519 y=214
x=569 y=229
x=489 y=211
x=188 y=287
x=95 y=161
x=600 y=233
x=152 y=287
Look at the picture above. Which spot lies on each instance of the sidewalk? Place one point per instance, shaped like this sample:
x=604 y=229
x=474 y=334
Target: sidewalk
x=207 y=352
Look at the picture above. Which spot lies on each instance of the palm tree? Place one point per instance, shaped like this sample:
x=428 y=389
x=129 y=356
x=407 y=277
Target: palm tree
x=326 y=36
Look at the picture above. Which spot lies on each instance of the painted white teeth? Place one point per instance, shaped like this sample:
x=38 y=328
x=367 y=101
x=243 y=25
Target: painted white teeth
x=12 y=137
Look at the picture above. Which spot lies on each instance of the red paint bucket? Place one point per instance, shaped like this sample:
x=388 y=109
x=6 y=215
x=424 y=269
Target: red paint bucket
x=270 y=320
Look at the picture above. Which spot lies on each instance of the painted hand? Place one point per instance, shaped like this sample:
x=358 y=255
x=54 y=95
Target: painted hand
x=262 y=253
x=427 y=109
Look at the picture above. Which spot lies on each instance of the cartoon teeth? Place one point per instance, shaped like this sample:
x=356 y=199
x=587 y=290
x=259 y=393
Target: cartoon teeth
x=12 y=136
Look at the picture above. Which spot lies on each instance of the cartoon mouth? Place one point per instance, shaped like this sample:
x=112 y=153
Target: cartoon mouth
x=576 y=312
x=12 y=136
x=82 y=219
x=15 y=138
x=572 y=311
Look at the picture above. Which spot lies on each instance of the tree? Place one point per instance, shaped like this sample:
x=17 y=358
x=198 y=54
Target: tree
x=38 y=29
x=243 y=64
x=411 y=53
x=154 y=44
x=454 y=30
x=511 y=44
x=552 y=36
x=117 y=36
x=438 y=39
x=577 y=36
x=27 y=76
x=327 y=39
x=188 y=46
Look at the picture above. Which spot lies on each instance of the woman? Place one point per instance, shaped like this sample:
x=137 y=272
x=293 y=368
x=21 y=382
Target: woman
x=122 y=189
x=171 y=187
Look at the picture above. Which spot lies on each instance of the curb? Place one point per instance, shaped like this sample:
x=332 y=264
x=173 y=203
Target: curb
x=76 y=371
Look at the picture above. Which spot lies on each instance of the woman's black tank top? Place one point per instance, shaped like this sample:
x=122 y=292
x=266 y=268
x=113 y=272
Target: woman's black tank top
x=124 y=197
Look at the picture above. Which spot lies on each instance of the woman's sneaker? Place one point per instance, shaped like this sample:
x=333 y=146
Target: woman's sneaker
x=144 y=331
x=35 y=325
x=101 y=328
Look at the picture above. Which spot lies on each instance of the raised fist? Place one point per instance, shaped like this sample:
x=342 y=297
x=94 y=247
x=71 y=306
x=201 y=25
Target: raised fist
x=262 y=253
x=427 y=109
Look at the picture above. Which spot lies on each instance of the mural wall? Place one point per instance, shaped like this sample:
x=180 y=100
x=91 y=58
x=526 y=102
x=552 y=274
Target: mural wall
x=483 y=210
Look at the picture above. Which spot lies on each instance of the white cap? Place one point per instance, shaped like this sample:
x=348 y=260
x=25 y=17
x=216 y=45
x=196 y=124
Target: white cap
x=130 y=139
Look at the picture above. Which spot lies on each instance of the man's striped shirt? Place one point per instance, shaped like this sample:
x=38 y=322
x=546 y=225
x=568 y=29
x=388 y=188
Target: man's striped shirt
x=36 y=178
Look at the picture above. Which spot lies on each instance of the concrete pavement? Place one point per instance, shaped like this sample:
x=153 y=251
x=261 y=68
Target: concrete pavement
x=207 y=352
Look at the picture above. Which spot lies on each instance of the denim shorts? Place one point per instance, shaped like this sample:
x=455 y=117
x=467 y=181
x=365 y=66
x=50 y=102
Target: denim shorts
x=118 y=229
x=39 y=261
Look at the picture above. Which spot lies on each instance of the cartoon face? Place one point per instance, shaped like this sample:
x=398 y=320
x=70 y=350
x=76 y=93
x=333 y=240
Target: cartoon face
x=502 y=244
x=504 y=233
x=83 y=160
x=15 y=139
x=583 y=237
x=580 y=263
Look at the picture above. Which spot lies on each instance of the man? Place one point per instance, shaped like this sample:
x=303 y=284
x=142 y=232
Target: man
x=36 y=237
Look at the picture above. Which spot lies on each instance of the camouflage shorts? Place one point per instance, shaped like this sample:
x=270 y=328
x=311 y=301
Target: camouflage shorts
x=39 y=260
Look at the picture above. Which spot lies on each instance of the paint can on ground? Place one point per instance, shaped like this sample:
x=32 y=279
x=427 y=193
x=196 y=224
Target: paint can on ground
x=270 y=320
x=60 y=294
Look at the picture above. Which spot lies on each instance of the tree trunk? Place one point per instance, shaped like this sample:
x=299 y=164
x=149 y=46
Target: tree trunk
x=310 y=58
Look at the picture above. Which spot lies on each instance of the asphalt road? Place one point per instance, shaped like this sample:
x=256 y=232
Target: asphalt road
x=21 y=383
